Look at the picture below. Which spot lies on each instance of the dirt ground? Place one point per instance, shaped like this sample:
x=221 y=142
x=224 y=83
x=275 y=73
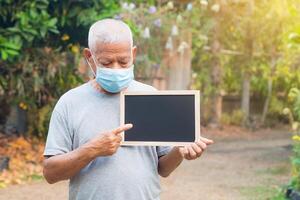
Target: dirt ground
x=240 y=165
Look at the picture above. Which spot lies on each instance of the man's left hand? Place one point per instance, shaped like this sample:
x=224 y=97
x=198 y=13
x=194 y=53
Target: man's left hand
x=195 y=150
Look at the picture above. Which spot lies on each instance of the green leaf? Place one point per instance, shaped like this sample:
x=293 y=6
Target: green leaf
x=4 y=55
x=54 y=30
x=52 y=22
x=12 y=52
x=43 y=32
x=31 y=31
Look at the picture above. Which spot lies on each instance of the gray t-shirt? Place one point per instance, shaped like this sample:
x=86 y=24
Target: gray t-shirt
x=131 y=173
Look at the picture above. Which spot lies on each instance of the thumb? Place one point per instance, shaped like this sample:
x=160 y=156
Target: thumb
x=206 y=141
x=122 y=128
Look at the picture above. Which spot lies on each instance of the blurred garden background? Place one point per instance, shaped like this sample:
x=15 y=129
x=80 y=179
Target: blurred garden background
x=243 y=55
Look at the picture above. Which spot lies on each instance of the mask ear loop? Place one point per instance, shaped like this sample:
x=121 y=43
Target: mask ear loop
x=132 y=64
x=90 y=67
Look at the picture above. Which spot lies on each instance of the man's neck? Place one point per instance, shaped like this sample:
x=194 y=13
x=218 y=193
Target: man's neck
x=97 y=87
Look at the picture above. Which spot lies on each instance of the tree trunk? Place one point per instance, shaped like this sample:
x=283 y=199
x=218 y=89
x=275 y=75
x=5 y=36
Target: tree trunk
x=270 y=88
x=267 y=101
x=216 y=77
x=245 y=104
x=17 y=122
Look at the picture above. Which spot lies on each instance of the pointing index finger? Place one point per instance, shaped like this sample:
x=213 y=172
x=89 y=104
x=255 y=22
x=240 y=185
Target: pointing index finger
x=122 y=128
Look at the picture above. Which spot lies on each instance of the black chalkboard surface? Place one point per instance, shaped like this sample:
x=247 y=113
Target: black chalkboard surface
x=161 y=117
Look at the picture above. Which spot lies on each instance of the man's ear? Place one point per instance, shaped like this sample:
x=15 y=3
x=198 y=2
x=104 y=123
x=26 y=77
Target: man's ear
x=88 y=57
x=87 y=53
x=134 y=51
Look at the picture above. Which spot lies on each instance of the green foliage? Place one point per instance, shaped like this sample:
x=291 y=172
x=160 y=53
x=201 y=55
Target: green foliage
x=24 y=24
x=74 y=19
x=37 y=82
x=296 y=164
x=27 y=24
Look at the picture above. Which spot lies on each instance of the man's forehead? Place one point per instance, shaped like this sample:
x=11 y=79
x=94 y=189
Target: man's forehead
x=114 y=56
x=112 y=48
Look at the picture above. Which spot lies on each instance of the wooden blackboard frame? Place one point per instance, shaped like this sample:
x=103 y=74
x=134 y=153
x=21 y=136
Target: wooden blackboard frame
x=196 y=94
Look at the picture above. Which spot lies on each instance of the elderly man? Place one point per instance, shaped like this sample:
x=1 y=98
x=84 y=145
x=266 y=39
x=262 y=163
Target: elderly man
x=83 y=142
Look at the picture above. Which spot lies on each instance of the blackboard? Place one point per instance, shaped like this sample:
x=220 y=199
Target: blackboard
x=166 y=117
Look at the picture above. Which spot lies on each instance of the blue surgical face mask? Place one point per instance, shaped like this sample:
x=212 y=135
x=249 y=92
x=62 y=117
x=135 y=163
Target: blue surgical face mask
x=113 y=80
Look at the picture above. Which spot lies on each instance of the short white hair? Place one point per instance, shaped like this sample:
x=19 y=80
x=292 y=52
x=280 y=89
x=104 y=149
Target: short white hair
x=109 y=31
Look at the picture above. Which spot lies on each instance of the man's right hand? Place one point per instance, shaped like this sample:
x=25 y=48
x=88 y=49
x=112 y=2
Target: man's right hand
x=106 y=144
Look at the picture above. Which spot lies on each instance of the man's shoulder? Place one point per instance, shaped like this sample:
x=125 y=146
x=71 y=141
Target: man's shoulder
x=139 y=86
x=72 y=95
x=76 y=91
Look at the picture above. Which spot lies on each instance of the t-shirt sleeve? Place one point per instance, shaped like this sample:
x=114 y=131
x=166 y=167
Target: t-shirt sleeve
x=59 y=139
x=163 y=150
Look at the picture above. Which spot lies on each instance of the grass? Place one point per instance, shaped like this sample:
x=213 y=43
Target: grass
x=267 y=191
x=279 y=170
x=260 y=192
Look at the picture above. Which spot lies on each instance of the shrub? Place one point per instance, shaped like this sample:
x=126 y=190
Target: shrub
x=293 y=114
x=235 y=118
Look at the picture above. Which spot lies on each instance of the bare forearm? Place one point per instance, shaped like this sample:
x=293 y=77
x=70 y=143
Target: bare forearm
x=65 y=166
x=168 y=163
